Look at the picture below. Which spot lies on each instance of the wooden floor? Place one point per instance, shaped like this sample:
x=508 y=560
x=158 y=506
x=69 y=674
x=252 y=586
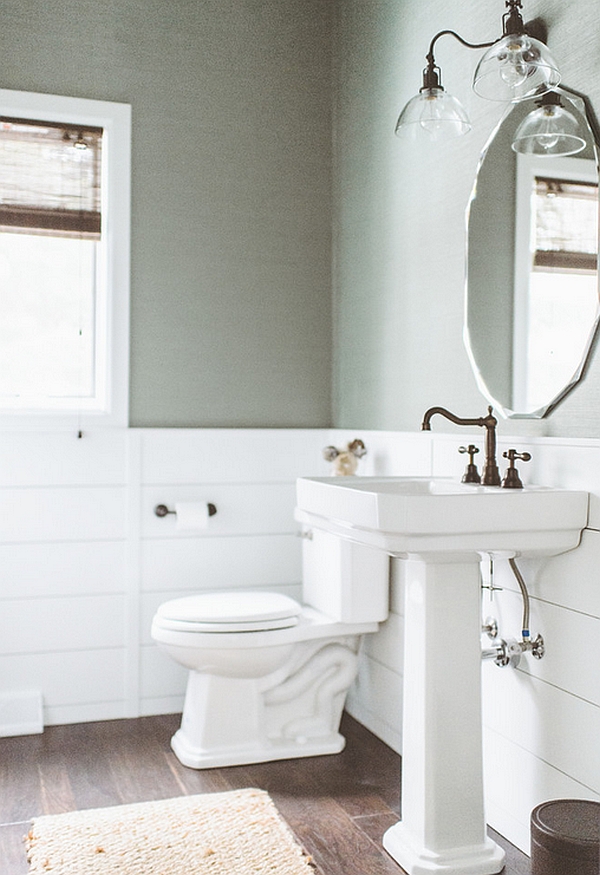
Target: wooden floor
x=337 y=806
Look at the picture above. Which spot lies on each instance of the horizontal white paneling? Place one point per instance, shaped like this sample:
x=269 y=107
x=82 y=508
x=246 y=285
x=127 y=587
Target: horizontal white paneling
x=160 y=675
x=571 y=465
x=387 y=645
x=539 y=718
x=71 y=623
x=77 y=519
x=516 y=781
x=57 y=715
x=571 y=580
x=67 y=678
x=391 y=735
x=389 y=453
x=161 y=705
x=220 y=563
x=173 y=456
x=58 y=569
x=375 y=699
x=242 y=509
x=507 y=824
x=61 y=459
x=65 y=514
x=572 y=642
x=379 y=690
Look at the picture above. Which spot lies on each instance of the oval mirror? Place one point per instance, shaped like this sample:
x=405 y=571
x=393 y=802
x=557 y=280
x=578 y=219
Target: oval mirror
x=532 y=309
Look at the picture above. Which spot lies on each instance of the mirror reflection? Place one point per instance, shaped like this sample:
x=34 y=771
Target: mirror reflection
x=532 y=306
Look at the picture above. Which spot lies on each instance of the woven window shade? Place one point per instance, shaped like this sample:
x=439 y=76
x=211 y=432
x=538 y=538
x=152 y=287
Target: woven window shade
x=50 y=178
x=566 y=225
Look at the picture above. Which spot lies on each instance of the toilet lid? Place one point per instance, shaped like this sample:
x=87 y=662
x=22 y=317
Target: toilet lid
x=243 y=611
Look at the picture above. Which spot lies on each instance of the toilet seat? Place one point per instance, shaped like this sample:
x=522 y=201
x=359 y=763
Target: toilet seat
x=218 y=612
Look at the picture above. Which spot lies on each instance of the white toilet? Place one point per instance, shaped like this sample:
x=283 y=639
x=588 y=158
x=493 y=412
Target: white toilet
x=268 y=676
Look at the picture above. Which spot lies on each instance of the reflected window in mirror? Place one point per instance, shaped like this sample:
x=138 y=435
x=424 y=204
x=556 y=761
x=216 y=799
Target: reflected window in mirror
x=556 y=287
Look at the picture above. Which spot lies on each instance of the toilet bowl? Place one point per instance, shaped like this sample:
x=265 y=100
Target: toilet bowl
x=268 y=676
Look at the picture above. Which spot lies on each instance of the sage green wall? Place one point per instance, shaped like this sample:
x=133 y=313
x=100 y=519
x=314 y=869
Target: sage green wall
x=399 y=231
x=231 y=107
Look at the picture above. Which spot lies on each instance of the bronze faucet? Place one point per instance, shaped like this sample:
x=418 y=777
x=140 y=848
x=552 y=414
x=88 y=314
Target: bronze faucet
x=490 y=475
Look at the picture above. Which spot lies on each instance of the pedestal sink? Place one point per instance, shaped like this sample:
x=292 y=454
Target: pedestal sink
x=439 y=529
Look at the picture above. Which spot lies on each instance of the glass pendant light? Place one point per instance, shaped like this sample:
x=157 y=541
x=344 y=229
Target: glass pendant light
x=432 y=114
x=549 y=130
x=517 y=65
x=515 y=68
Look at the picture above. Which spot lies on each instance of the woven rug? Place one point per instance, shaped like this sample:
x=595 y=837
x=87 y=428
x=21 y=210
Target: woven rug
x=234 y=833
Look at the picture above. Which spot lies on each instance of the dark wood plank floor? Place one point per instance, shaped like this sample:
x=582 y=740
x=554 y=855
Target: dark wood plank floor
x=337 y=806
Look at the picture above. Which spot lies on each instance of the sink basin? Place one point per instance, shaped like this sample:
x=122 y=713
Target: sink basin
x=407 y=514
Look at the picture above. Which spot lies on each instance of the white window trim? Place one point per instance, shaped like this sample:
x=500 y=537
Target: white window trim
x=115 y=119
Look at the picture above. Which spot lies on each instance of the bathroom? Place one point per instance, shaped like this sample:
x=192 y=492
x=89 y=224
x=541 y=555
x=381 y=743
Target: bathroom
x=246 y=215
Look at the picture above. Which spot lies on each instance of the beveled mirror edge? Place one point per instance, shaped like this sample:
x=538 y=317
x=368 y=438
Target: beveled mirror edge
x=583 y=104
x=546 y=409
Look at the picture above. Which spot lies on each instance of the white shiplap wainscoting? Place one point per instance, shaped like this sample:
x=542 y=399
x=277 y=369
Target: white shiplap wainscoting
x=84 y=562
x=63 y=572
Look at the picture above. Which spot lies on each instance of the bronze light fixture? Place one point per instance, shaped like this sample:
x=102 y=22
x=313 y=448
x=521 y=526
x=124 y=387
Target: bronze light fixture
x=515 y=66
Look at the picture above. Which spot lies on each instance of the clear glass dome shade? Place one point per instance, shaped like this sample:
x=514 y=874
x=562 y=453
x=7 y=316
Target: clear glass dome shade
x=550 y=130
x=516 y=67
x=434 y=115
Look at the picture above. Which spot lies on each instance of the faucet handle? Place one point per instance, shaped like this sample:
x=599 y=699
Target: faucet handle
x=471 y=474
x=511 y=478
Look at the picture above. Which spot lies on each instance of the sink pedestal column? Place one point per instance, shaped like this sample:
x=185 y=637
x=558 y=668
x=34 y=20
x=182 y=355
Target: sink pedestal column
x=443 y=825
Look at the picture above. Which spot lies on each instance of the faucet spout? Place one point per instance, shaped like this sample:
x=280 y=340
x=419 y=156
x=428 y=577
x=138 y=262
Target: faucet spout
x=490 y=475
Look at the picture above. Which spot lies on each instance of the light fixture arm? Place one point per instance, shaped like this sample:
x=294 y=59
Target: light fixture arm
x=512 y=23
x=432 y=73
x=514 y=66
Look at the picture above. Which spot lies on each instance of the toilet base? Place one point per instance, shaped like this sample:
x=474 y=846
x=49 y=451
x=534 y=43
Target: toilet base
x=284 y=749
x=292 y=712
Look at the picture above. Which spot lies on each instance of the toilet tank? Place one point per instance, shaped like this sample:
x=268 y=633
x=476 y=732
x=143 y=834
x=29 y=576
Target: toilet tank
x=348 y=582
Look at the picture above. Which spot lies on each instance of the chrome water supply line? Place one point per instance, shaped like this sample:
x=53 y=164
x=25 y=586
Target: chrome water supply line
x=509 y=651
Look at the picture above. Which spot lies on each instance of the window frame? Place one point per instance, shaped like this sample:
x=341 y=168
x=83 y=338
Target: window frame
x=112 y=409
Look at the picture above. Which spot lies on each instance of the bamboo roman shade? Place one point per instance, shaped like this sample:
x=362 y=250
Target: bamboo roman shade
x=566 y=225
x=50 y=178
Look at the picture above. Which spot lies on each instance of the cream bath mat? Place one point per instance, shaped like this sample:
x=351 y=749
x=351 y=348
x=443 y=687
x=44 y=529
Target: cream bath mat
x=234 y=833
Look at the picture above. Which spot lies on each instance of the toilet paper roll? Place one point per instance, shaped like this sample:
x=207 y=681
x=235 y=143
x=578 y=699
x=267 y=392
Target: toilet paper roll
x=192 y=515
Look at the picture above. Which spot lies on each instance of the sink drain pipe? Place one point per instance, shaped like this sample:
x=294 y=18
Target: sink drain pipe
x=509 y=652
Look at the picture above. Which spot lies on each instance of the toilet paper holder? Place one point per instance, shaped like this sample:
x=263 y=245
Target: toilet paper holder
x=162 y=510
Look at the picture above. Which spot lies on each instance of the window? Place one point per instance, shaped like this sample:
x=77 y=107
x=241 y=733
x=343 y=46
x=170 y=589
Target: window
x=64 y=260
